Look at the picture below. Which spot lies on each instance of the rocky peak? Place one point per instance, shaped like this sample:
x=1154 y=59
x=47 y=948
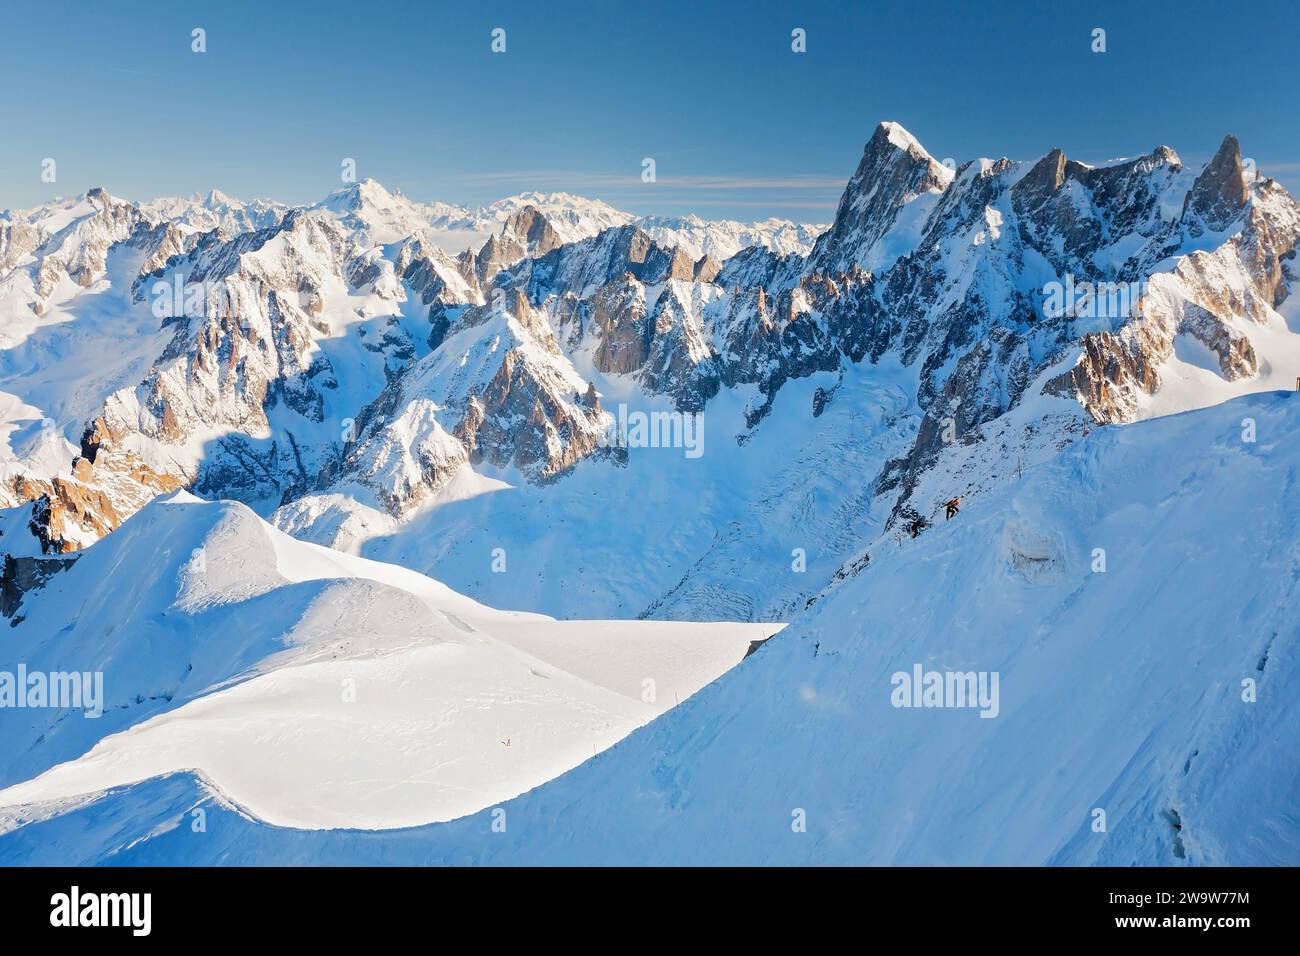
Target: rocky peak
x=79 y=249
x=1069 y=211
x=367 y=192
x=1165 y=154
x=1219 y=192
x=526 y=234
x=706 y=269
x=1048 y=175
x=534 y=229
x=894 y=171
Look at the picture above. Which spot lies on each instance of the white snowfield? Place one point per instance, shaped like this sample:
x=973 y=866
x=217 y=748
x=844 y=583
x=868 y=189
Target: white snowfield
x=1121 y=599
x=1136 y=597
x=317 y=690
x=1147 y=711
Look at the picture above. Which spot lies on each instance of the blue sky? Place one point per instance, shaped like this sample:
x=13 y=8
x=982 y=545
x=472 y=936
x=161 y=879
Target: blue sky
x=739 y=125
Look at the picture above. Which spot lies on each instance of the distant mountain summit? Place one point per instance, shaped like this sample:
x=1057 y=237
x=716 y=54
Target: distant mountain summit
x=343 y=371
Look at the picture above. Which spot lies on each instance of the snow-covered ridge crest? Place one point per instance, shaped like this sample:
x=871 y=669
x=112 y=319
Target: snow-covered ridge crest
x=721 y=240
x=263 y=663
x=340 y=369
x=879 y=203
x=1170 y=669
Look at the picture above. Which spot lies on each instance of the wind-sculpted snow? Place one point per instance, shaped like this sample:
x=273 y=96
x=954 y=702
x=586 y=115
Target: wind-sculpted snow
x=312 y=689
x=467 y=394
x=1134 y=596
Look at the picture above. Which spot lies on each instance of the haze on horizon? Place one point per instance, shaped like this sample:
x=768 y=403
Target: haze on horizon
x=739 y=125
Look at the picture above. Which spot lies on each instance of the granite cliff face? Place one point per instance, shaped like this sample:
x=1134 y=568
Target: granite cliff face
x=316 y=359
x=1215 y=294
x=895 y=172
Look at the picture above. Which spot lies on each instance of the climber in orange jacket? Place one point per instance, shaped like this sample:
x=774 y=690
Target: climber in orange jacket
x=953 y=507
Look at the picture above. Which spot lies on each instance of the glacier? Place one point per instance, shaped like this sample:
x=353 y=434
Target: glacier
x=1156 y=686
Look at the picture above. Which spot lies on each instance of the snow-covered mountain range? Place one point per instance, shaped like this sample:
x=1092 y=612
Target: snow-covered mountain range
x=1145 y=713
x=551 y=405
x=338 y=368
x=256 y=335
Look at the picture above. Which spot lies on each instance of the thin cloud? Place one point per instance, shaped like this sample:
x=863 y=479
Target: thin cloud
x=746 y=203
x=577 y=179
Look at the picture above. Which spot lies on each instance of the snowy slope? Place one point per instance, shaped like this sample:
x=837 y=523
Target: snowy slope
x=317 y=690
x=380 y=217
x=216 y=210
x=1119 y=691
x=722 y=239
x=383 y=217
x=304 y=318
x=573 y=217
x=610 y=540
x=844 y=395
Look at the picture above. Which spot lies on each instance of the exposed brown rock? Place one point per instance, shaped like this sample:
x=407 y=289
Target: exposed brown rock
x=1220 y=191
x=20 y=576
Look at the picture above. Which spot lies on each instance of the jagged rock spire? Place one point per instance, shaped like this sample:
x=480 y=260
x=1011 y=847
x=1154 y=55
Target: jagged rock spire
x=895 y=169
x=1219 y=193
